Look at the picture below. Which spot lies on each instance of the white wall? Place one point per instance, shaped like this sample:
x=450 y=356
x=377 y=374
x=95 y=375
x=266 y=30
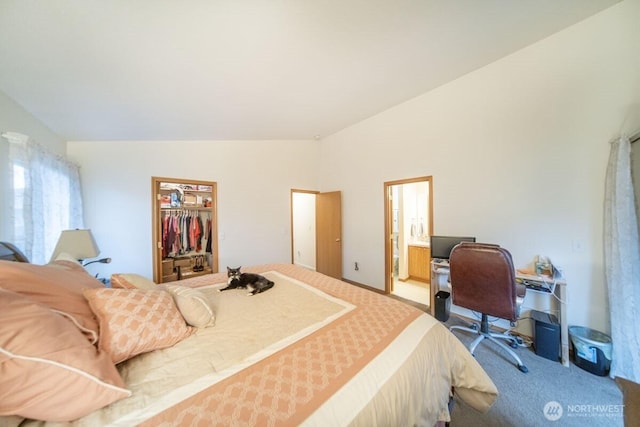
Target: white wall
x=254 y=179
x=13 y=118
x=517 y=151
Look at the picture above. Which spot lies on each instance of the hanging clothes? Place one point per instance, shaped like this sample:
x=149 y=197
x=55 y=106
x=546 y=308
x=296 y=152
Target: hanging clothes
x=183 y=232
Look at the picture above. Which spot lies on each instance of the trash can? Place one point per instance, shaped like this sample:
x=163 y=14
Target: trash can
x=591 y=350
x=443 y=305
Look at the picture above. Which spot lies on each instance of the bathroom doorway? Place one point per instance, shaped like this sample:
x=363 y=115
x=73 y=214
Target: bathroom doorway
x=408 y=225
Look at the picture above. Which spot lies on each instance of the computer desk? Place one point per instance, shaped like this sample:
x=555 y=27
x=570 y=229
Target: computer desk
x=557 y=291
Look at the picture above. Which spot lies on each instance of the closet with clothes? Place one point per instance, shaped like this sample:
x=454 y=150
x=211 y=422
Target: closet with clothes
x=185 y=236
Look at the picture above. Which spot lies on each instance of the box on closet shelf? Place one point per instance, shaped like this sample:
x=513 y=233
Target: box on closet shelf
x=182 y=261
x=167 y=267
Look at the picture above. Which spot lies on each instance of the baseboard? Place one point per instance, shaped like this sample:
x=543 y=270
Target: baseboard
x=361 y=285
x=308 y=267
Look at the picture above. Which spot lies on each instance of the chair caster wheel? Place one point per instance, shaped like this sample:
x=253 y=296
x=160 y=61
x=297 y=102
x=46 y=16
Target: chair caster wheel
x=516 y=342
x=523 y=368
x=474 y=326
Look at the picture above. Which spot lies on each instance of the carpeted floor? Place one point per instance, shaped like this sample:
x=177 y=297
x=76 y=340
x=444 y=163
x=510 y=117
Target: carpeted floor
x=572 y=396
x=578 y=397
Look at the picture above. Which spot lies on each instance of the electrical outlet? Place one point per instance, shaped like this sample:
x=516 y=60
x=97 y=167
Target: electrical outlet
x=355 y=266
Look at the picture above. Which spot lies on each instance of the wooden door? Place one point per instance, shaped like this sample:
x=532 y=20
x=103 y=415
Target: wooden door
x=329 y=234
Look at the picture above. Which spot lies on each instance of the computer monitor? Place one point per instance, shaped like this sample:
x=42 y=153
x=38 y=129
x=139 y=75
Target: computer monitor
x=441 y=246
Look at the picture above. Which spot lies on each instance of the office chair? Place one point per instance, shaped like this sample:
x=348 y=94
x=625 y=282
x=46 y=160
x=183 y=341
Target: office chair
x=483 y=280
x=9 y=252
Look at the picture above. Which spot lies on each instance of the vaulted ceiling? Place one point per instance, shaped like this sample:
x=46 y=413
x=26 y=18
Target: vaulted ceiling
x=250 y=69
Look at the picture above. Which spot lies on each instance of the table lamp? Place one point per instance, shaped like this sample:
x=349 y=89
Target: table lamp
x=79 y=244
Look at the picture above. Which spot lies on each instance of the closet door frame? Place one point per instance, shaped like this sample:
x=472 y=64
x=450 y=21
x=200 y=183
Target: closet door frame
x=156 y=220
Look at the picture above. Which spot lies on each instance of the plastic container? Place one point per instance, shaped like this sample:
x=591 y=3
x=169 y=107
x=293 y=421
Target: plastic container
x=591 y=349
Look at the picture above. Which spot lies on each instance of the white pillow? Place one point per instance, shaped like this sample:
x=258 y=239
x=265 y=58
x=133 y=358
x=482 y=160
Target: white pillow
x=132 y=281
x=193 y=305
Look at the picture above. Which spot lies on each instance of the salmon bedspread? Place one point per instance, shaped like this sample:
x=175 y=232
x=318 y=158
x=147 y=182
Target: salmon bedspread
x=311 y=351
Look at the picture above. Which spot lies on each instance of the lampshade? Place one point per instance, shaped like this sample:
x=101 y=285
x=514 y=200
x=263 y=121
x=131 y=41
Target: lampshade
x=80 y=244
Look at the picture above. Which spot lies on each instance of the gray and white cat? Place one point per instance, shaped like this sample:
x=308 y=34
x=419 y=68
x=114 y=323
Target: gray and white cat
x=254 y=282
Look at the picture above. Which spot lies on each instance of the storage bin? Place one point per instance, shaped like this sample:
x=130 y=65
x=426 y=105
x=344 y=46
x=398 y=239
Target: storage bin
x=591 y=349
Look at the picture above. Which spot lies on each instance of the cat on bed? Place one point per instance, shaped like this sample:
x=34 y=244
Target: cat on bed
x=254 y=282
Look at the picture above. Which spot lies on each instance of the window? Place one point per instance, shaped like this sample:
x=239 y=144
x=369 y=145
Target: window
x=46 y=197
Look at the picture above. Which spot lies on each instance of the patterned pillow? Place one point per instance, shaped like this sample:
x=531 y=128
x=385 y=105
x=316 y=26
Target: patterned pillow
x=58 y=288
x=134 y=321
x=193 y=305
x=48 y=369
x=131 y=281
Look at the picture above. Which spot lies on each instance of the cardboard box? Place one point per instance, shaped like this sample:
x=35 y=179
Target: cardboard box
x=167 y=266
x=170 y=278
x=182 y=262
x=190 y=199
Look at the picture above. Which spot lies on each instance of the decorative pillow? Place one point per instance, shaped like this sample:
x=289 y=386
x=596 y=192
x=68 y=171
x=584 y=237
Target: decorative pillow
x=193 y=305
x=48 y=369
x=132 y=281
x=58 y=289
x=134 y=321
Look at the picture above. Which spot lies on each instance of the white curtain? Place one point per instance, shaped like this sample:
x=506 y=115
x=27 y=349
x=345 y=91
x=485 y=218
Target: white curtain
x=46 y=197
x=622 y=262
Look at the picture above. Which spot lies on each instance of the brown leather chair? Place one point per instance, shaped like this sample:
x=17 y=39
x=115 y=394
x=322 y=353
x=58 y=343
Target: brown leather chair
x=483 y=279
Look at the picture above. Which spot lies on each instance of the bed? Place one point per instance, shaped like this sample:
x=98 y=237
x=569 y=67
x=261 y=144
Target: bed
x=311 y=351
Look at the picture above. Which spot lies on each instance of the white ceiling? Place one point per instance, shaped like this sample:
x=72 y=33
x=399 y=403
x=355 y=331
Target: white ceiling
x=250 y=69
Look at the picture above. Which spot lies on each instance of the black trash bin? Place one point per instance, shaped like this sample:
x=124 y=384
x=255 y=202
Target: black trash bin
x=443 y=305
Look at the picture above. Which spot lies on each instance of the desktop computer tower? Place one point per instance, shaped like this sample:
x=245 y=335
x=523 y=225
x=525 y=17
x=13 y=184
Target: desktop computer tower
x=546 y=335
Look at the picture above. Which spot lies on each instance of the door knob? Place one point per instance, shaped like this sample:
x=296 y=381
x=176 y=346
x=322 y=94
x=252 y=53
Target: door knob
x=337 y=240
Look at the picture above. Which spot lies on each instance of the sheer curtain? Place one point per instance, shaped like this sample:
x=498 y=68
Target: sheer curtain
x=622 y=262
x=46 y=197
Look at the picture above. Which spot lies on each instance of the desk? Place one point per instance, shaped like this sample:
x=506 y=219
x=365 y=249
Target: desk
x=440 y=272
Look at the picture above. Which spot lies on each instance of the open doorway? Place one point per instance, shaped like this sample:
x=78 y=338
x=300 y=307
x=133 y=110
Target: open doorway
x=408 y=225
x=303 y=228
x=316 y=231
